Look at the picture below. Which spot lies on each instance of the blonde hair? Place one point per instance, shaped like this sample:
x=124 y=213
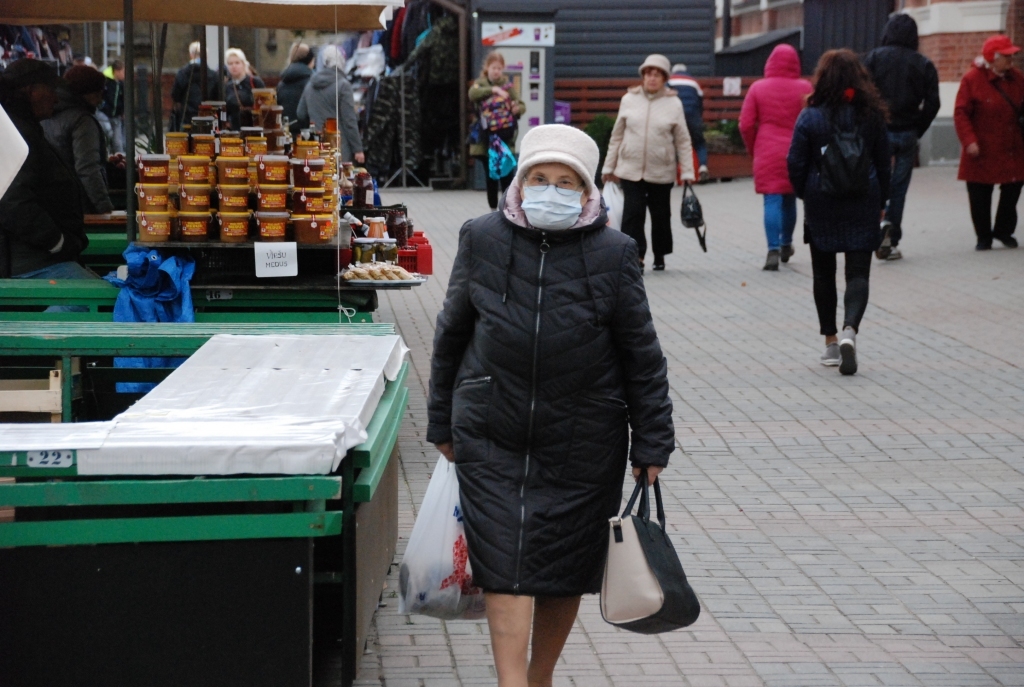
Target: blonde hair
x=193 y=49
x=236 y=52
x=493 y=56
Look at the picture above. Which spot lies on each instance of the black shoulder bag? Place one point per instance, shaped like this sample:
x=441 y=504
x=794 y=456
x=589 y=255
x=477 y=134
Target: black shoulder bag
x=692 y=215
x=644 y=588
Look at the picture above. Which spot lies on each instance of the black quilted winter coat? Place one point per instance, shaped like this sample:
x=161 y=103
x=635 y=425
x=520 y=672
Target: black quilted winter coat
x=545 y=357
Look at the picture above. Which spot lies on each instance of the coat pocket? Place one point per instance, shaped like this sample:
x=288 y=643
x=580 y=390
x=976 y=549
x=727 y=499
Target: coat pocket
x=600 y=441
x=471 y=403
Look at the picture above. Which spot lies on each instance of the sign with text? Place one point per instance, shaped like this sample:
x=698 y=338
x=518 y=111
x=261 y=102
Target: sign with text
x=276 y=259
x=732 y=87
x=495 y=35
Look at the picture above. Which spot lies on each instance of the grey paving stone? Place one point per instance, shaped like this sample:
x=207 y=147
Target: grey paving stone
x=840 y=531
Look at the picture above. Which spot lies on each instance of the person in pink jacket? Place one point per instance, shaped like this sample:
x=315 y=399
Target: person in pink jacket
x=766 y=123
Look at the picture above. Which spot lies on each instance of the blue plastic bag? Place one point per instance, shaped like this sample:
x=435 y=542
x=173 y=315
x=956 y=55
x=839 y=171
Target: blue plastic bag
x=501 y=159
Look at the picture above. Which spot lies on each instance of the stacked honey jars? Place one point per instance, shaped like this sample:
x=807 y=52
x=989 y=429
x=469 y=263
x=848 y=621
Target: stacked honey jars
x=153 y=192
x=311 y=212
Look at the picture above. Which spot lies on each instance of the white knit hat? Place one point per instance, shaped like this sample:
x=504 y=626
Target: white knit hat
x=559 y=143
x=658 y=61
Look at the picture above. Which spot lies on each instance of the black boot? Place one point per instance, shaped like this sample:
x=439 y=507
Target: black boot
x=772 y=263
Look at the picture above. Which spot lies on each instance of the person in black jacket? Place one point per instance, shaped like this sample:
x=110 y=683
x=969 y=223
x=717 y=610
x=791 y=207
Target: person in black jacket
x=42 y=228
x=844 y=100
x=909 y=84
x=293 y=81
x=187 y=92
x=545 y=357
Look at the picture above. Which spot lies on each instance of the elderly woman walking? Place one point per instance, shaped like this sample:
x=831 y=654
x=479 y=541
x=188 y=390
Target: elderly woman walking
x=649 y=140
x=839 y=164
x=545 y=357
x=987 y=117
x=766 y=123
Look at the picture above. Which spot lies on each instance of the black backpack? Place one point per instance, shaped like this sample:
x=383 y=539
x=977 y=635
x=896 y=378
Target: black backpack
x=845 y=165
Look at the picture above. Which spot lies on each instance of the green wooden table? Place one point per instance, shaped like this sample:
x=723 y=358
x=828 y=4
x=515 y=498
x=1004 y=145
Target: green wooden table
x=157 y=574
x=24 y=300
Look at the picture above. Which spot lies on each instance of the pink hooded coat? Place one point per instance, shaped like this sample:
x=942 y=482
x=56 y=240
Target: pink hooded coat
x=768 y=117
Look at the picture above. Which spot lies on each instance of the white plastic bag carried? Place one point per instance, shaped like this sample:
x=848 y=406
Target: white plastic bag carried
x=615 y=201
x=435 y=577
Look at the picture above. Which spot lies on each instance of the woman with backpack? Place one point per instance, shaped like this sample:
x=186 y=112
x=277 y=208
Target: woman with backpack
x=989 y=106
x=839 y=164
x=766 y=123
x=239 y=85
x=498 y=111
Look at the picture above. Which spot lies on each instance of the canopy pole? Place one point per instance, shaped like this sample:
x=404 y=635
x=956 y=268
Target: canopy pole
x=203 y=66
x=129 y=117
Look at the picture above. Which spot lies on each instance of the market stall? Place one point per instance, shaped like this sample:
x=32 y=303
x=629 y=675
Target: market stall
x=205 y=536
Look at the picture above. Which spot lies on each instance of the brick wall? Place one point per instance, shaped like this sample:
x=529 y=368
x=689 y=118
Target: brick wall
x=953 y=53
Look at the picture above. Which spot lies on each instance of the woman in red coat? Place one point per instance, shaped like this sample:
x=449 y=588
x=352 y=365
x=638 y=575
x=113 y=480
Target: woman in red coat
x=987 y=117
x=766 y=123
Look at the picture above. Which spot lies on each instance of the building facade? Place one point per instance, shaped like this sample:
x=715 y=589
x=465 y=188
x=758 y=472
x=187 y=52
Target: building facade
x=952 y=33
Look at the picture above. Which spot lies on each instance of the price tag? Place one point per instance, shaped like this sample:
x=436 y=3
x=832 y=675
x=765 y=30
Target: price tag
x=276 y=259
x=219 y=294
x=50 y=459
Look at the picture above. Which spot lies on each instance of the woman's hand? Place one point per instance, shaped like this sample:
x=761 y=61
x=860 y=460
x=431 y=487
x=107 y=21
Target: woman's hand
x=360 y=158
x=500 y=92
x=973 y=150
x=447 y=450
x=652 y=473
x=605 y=178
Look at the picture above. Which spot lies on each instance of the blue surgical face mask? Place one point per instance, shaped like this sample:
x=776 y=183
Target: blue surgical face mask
x=549 y=207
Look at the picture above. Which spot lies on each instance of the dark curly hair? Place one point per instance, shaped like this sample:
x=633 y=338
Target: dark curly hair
x=837 y=72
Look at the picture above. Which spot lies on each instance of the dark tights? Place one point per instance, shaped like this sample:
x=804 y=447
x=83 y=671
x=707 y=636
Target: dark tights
x=858 y=268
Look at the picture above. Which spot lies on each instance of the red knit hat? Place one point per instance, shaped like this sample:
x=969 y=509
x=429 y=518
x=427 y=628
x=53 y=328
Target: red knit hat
x=83 y=79
x=998 y=44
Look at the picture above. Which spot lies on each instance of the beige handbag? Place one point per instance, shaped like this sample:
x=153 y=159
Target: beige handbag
x=644 y=588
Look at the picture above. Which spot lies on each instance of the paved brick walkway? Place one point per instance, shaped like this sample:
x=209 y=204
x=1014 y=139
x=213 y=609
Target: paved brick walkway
x=839 y=531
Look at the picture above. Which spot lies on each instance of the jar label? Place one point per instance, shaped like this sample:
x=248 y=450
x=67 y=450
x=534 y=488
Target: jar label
x=235 y=228
x=154 y=171
x=195 y=227
x=325 y=230
x=200 y=200
x=272 y=228
x=234 y=201
x=276 y=173
x=236 y=172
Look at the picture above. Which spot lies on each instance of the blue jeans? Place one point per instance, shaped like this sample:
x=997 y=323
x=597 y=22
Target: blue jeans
x=779 y=219
x=61 y=270
x=904 y=149
x=695 y=124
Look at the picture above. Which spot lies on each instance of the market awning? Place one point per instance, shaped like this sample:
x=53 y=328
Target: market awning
x=346 y=15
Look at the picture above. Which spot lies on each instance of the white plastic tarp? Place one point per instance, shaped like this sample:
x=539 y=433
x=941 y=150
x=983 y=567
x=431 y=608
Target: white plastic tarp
x=240 y=404
x=15 y=152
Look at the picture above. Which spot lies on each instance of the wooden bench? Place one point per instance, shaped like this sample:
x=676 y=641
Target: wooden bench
x=591 y=97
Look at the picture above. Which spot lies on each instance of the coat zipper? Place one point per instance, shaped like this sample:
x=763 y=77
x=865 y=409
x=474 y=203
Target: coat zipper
x=475 y=380
x=544 y=248
x=647 y=132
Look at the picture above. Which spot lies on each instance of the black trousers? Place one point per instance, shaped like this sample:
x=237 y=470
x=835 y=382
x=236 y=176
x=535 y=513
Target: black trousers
x=858 y=269
x=980 y=196
x=639 y=197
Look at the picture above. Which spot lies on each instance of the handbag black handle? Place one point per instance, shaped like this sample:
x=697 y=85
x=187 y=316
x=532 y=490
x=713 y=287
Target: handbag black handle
x=644 y=510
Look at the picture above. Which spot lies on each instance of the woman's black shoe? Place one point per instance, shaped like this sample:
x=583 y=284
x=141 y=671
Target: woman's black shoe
x=659 y=267
x=1007 y=241
x=984 y=246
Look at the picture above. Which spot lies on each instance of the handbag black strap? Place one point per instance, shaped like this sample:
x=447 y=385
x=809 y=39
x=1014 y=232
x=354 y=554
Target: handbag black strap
x=660 y=504
x=640 y=490
x=1016 y=110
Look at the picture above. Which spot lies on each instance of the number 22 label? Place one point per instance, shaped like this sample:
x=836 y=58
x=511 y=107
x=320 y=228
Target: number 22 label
x=50 y=459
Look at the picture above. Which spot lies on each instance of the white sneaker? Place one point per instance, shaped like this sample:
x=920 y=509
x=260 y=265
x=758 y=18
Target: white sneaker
x=848 y=352
x=895 y=254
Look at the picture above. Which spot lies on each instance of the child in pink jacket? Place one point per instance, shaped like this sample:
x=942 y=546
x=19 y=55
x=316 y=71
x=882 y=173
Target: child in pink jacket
x=767 y=120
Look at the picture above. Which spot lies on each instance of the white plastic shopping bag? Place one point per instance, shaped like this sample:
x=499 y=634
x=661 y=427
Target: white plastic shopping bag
x=435 y=577
x=615 y=200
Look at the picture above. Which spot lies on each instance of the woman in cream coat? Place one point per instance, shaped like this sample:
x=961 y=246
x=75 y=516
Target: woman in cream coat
x=649 y=140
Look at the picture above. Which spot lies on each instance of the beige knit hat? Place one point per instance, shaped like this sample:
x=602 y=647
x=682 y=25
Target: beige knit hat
x=559 y=143
x=659 y=61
